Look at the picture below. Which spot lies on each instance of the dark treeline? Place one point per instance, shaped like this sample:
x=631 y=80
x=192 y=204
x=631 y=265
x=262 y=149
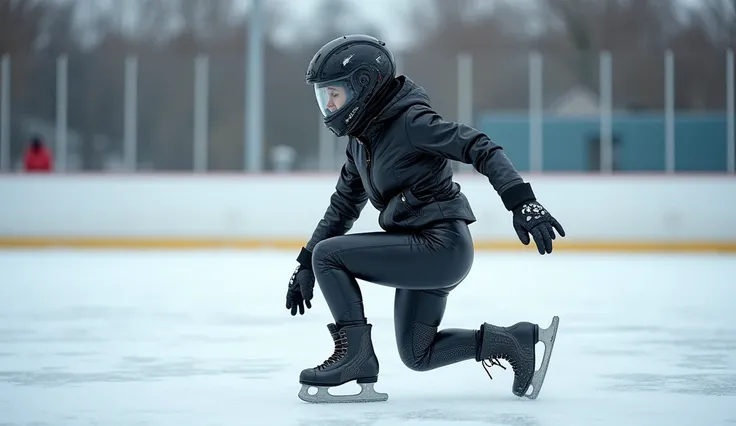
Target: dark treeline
x=166 y=36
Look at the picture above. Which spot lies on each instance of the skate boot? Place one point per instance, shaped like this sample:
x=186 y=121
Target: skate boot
x=516 y=344
x=353 y=359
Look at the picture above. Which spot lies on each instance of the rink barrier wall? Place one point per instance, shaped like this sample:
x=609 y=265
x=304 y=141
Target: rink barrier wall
x=627 y=213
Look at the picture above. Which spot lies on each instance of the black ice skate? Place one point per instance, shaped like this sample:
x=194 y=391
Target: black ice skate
x=353 y=359
x=516 y=345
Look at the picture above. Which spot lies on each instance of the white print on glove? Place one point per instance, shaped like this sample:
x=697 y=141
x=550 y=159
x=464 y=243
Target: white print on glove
x=535 y=208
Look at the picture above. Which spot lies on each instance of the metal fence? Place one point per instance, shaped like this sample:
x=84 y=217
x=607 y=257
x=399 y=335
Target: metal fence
x=601 y=112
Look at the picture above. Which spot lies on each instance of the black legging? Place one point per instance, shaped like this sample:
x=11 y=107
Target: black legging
x=423 y=267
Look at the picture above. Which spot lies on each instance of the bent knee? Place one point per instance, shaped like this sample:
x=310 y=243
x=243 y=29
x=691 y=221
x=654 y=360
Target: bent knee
x=415 y=347
x=415 y=363
x=323 y=255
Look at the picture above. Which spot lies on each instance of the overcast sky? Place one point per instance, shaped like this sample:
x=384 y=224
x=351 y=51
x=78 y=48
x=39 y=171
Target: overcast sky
x=385 y=14
x=302 y=15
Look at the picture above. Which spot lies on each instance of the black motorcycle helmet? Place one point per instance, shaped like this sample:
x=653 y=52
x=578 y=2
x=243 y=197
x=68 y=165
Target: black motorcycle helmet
x=349 y=74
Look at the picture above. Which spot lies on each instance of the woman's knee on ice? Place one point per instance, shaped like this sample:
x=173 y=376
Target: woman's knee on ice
x=414 y=346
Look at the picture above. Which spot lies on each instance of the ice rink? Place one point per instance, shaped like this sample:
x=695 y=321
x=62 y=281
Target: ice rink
x=203 y=338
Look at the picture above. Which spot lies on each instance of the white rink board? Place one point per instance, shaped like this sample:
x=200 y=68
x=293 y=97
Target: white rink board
x=591 y=208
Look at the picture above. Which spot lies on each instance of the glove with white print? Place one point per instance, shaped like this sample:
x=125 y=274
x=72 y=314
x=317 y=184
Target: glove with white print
x=301 y=284
x=530 y=217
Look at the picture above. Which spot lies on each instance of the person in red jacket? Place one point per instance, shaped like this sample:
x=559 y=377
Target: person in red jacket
x=38 y=158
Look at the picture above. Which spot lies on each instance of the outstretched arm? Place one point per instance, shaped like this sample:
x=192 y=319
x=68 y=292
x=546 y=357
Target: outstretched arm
x=346 y=203
x=428 y=132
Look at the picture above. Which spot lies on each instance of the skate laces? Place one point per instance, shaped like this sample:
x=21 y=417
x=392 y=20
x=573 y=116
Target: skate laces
x=490 y=362
x=341 y=348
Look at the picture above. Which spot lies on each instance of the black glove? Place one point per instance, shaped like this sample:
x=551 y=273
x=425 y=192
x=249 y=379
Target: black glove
x=301 y=284
x=530 y=217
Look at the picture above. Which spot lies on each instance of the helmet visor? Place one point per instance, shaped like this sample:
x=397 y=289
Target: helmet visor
x=333 y=95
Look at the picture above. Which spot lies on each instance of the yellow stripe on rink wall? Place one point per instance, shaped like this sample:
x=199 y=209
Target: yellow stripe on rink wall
x=294 y=244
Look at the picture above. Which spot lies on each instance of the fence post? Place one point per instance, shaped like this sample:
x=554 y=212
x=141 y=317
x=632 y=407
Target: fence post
x=201 y=113
x=130 y=119
x=464 y=95
x=606 y=112
x=5 y=161
x=669 y=96
x=536 y=111
x=254 y=81
x=730 y=112
x=62 y=113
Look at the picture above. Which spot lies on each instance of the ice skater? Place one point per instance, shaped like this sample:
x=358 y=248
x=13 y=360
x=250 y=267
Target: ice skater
x=398 y=158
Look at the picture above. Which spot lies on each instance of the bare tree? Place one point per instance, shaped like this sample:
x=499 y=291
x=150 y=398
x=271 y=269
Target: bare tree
x=20 y=24
x=21 y=27
x=638 y=32
x=719 y=18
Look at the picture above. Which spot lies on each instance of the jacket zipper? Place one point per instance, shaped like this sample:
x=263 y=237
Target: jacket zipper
x=368 y=167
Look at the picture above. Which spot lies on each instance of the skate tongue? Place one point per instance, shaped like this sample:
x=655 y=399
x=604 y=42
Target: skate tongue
x=333 y=328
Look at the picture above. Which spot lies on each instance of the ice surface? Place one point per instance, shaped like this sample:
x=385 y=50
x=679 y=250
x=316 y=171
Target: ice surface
x=198 y=339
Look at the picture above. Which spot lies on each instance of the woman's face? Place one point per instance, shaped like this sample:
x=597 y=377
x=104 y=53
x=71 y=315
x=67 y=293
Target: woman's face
x=333 y=96
x=336 y=97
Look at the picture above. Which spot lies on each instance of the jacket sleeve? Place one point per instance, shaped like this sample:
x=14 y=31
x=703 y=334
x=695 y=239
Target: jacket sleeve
x=430 y=134
x=346 y=203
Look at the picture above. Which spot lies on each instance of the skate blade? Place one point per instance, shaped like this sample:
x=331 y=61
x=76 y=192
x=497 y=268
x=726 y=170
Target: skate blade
x=546 y=336
x=323 y=396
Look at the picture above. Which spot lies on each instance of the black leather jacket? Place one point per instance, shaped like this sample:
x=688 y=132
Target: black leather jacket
x=400 y=162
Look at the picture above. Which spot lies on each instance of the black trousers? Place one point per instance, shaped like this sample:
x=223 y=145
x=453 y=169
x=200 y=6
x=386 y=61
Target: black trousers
x=423 y=267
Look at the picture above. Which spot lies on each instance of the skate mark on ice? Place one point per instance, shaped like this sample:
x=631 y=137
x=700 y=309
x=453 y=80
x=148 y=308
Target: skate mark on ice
x=139 y=359
x=698 y=342
x=703 y=349
x=15 y=335
x=70 y=335
x=336 y=422
x=247 y=368
x=444 y=415
x=705 y=362
x=137 y=371
x=598 y=351
x=700 y=350
x=204 y=338
x=689 y=384
x=74 y=354
x=666 y=335
x=450 y=416
x=597 y=329
x=87 y=313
